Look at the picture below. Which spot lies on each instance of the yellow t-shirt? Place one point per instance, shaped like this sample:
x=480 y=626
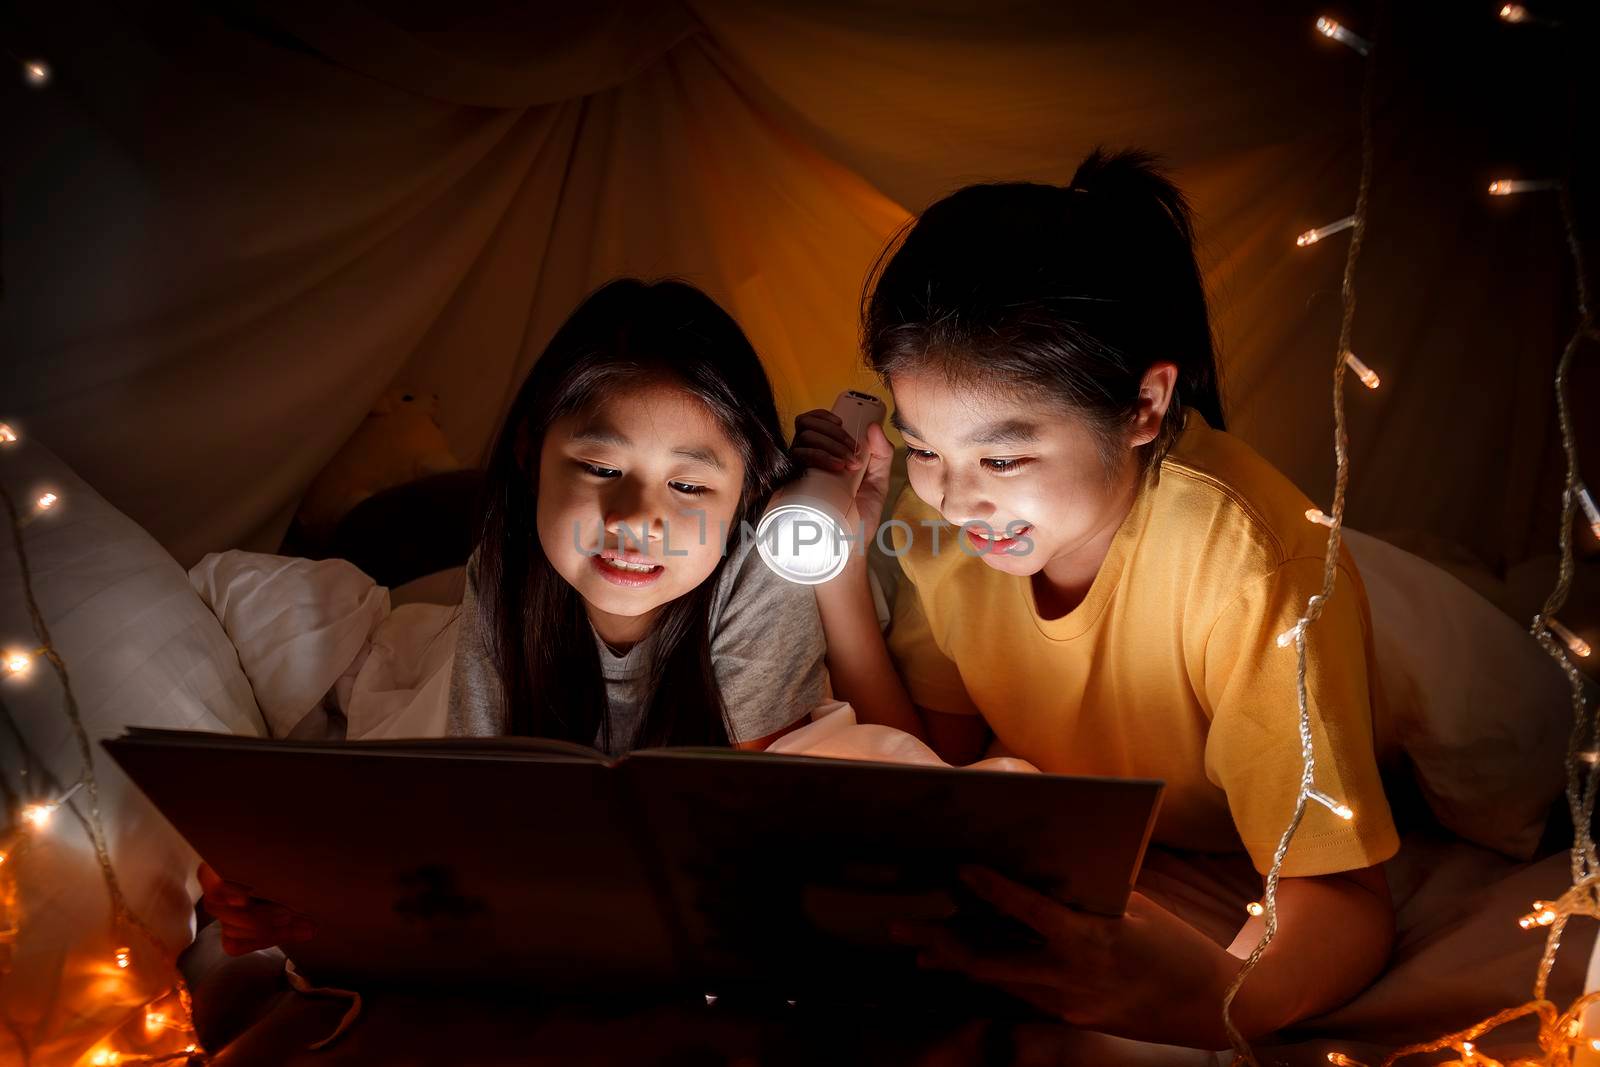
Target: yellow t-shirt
x=1169 y=668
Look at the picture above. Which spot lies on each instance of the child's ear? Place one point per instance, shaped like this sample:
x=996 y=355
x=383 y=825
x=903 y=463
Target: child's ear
x=1155 y=396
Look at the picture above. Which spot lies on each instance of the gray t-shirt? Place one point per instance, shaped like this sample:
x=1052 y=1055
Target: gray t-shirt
x=767 y=651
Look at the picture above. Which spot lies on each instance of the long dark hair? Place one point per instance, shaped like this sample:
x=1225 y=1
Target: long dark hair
x=1071 y=292
x=539 y=631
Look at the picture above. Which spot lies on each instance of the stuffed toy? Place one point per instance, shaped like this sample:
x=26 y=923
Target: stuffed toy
x=398 y=442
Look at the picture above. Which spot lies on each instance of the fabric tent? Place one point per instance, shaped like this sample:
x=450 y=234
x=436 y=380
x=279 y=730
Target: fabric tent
x=228 y=230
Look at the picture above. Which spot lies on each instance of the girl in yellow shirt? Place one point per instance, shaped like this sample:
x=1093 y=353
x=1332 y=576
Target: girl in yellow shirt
x=1110 y=600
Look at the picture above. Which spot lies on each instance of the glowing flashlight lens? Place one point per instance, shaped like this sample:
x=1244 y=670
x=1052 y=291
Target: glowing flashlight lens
x=802 y=543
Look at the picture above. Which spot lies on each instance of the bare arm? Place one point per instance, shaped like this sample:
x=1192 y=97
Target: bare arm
x=859 y=663
x=1335 y=933
x=858 y=659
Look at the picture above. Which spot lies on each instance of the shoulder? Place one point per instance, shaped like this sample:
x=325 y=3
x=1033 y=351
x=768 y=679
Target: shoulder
x=749 y=591
x=1220 y=500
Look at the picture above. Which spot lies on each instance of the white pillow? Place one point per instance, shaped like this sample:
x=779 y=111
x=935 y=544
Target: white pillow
x=1480 y=709
x=141 y=649
x=298 y=624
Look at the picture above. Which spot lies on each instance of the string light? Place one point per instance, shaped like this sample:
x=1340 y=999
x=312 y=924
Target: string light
x=1255 y=908
x=1590 y=512
x=18 y=663
x=1543 y=914
x=1511 y=186
x=8 y=436
x=38 y=816
x=36 y=72
x=1316 y=515
x=1364 y=372
x=1357 y=223
x=1330 y=28
x=154 y=1022
x=1578 y=645
x=1516 y=14
x=1338 y=808
x=1311 y=237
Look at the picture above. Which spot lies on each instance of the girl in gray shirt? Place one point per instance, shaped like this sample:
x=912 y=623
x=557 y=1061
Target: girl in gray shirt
x=615 y=598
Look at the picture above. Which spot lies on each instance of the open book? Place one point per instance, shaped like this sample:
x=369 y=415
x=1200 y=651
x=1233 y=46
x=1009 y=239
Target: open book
x=547 y=863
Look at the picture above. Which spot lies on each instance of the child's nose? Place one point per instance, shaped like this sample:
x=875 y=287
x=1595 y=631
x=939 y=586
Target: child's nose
x=963 y=500
x=632 y=513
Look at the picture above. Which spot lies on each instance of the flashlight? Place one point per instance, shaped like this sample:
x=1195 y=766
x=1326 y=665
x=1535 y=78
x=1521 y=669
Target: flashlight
x=803 y=536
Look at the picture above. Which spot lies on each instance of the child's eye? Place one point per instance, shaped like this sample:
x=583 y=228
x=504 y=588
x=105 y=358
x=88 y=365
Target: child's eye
x=688 y=488
x=1003 y=465
x=598 y=471
x=920 y=453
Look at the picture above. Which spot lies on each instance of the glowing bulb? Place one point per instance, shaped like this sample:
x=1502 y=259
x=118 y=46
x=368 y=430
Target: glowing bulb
x=1330 y=28
x=1339 y=1059
x=1468 y=1048
x=1578 y=645
x=38 y=815
x=3 y=858
x=1516 y=13
x=1286 y=638
x=1574 y=1028
x=1342 y=810
x=105 y=1057
x=1311 y=237
x=1255 y=908
x=47 y=501
x=1316 y=515
x=711 y=998
x=1508 y=186
x=124 y=957
x=1541 y=915
x=18 y=663
x=1364 y=372
x=1595 y=1044
x=36 y=72
x=1590 y=512
x=8 y=436
x=154 y=1021
x=190 y=1048
x=1589 y=757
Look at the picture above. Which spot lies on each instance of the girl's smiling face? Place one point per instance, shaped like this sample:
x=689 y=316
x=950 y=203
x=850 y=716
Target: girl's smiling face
x=634 y=493
x=1011 y=464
